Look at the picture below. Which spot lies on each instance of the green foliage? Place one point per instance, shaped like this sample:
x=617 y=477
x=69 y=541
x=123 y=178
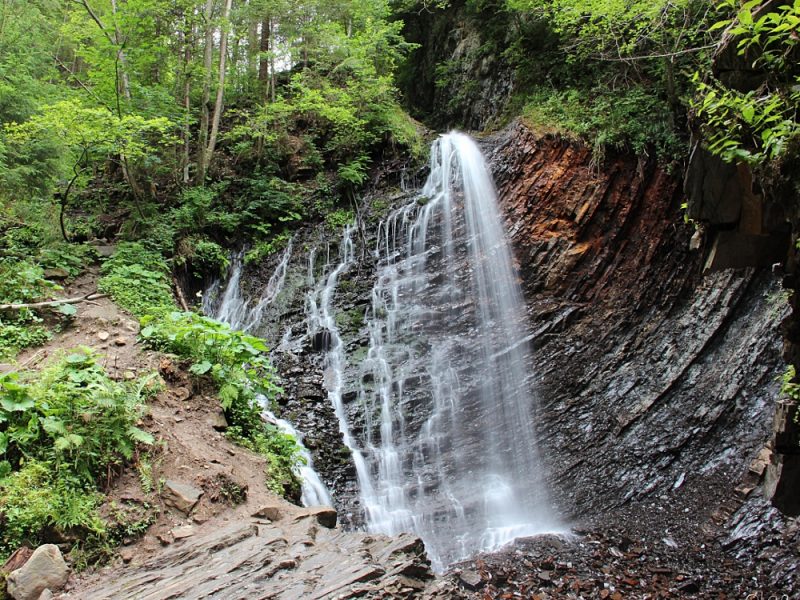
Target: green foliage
x=62 y=432
x=239 y=366
x=137 y=279
x=18 y=336
x=73 y=258
x=789 y=385
x=205 y=256
x=26 y=250
x=337 y=110
x=21 y=282
x=760 y=125
x=20 y=239
x=636 y=120
x=33 y=503
x=268 y=199
x=612 y=73
x=262 y=250
x=337 y=219
x=98 y=130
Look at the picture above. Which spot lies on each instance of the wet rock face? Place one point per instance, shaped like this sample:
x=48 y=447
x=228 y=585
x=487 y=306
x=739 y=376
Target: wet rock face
x=649 y=374
x=656 y=384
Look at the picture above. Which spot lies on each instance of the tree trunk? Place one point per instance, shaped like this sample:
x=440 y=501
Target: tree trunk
x=124 y=81
x=264 y=57
x=124 y=86
x=208 y=52
x=253 y=44
x=186 y=101
x=223 y=52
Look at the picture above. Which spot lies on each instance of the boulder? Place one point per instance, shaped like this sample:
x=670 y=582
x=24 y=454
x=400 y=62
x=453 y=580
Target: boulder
x=56 y=273
x=218 y=421
x=45 y=570
x=272 y=512
x=181 y=496
x=324 y=515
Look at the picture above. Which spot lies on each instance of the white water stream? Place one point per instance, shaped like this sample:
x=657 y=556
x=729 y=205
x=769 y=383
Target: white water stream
x=234 y=309
x=448 y=336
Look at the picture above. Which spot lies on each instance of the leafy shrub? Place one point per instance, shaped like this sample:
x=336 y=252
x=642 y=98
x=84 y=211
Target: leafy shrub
x=72 y=416
x=19 y=239
x=73 y=258
x=33 y=501
x=262 y=250
x=761 y=125
x=337 y=219
x=205 y=256
x=635 y=120
x=239 y=366
x=16 y=337
x=137 y=279
x=21 y=281
x=62 y=432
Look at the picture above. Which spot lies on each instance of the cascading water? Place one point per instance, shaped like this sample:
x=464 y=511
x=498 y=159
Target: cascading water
x=234 y=309
x=448 y=339
x=438 y=415
x=314 y=492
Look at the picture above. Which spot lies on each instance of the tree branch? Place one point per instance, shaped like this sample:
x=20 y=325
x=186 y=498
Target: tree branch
x=650 y=56
x=76 y=300
x=97 y=20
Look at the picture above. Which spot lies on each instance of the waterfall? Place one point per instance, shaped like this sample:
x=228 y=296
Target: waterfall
x=438 y=412
x=234 y=309
x=314 y=491
x=448 y=337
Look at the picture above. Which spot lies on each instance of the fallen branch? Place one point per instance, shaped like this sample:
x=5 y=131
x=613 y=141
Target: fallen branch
x=76 y=300
x=181 y=297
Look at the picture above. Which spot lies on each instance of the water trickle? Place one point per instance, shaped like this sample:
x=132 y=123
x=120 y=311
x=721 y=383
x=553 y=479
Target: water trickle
x=321 y=324
x=234 y=309
x=314 y=491
x=448 y=337
x=229 y=304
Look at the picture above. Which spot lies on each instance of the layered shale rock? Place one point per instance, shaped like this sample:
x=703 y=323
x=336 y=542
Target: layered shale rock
x=296 y=557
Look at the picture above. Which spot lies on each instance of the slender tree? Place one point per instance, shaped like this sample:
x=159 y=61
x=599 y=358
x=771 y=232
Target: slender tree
x=218 y=104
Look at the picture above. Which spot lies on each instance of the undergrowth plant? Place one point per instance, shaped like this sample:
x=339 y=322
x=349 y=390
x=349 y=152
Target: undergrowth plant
x=64 y=433
x=137 y=279
x=21 y=281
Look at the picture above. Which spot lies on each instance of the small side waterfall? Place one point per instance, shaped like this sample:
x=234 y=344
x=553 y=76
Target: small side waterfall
x=314 y=492
x=448 y=337
x=234 y=309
